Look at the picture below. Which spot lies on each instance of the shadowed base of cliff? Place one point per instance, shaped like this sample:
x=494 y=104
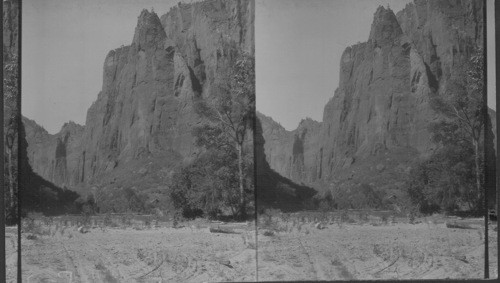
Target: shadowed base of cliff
x=376 y=181
x=38 y=194
x=139 y=185
x=274 y=190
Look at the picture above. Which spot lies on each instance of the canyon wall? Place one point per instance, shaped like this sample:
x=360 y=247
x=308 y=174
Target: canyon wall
x=377 y=122
x=140 y=125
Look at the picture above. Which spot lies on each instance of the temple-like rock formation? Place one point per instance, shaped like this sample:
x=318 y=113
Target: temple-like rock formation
x=377 y=122
x=140 y=125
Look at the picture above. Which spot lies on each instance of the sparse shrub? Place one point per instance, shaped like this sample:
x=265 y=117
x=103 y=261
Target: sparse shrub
x=268 y=233
x=411 y=216
x=363 y=216
x=344 y=216
x=480 y=233
x=175 y=222
x=55 y=230
x=85 y=219
x=213 y=214
x=191 y=213
x=31 y=237
x=299 y=226
x=384 y=219
x=107 y=220
x=393 y=219
x=377 y=250
x=147 y=222
x=350 y=220
x=63 y=229
x=336 y=262
x=267 y=220
x=126 y=219
x=28 y=225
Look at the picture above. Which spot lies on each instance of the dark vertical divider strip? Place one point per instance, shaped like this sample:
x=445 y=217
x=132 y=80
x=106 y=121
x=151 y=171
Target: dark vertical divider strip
x=255 y=176
x=486 y=131
x=497 y=70
x=20 y=158
x=2 y=192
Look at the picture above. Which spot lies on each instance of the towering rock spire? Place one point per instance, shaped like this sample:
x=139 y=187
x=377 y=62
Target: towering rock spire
x=148 y=30
x=385 y=26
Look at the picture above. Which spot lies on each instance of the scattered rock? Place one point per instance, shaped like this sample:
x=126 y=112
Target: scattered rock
x=348 y=162
x=462 y=258
x=455 y=225
x=221 y=230
x=82 y=230
x=31 y=237
x=226 y=263
x=268 y=233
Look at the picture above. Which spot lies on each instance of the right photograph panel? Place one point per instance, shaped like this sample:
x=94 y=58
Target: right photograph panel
x=375 y=143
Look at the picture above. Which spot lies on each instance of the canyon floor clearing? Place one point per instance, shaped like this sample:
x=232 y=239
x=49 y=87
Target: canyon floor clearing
x=192 y=253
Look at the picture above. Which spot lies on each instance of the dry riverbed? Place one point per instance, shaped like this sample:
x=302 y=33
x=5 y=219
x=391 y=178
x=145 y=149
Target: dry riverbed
x=299 y=251
x=366 y=251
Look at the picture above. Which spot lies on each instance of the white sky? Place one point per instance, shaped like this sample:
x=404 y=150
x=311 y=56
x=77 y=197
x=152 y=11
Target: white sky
x=298 y=48
x=64 y=46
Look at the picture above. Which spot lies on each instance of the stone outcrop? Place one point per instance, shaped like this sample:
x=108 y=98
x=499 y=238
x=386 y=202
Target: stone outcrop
x=144 y=114
x=292 y=153
x=377 y=121
x=56 y=155
x=273 y=190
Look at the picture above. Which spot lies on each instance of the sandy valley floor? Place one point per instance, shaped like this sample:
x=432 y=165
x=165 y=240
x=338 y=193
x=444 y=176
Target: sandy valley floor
x=402 y=251
x=128 y=255
x=194 y=254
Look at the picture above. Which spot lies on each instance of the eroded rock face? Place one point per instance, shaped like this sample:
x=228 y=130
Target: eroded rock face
x=292 y=153
x=379 y=114
x=144 y=112
x=56 y=155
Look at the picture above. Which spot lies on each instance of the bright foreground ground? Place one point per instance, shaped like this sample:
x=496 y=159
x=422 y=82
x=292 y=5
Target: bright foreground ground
x=193 y=254
x=11 y=253
x=401 y=251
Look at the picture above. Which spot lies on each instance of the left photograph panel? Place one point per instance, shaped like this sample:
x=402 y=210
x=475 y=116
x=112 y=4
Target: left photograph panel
x=137 y=140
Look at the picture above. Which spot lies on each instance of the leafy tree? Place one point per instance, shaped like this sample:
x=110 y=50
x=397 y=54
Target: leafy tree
x=444 y=180
x=229 y=116
x=461 y=130
x=208 y=184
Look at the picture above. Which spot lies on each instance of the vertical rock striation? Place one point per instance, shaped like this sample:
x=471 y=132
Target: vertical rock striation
x=144 y=114
x=377 y=121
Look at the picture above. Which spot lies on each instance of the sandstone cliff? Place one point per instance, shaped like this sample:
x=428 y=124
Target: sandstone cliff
x=139 y=128
x=55 y=154
x=376 y=123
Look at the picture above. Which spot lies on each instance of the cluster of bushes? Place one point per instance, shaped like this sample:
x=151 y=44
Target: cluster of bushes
x=208 y=187
x=121 y=200
x=453 y=176
x=220 y=179
x=350 y=196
